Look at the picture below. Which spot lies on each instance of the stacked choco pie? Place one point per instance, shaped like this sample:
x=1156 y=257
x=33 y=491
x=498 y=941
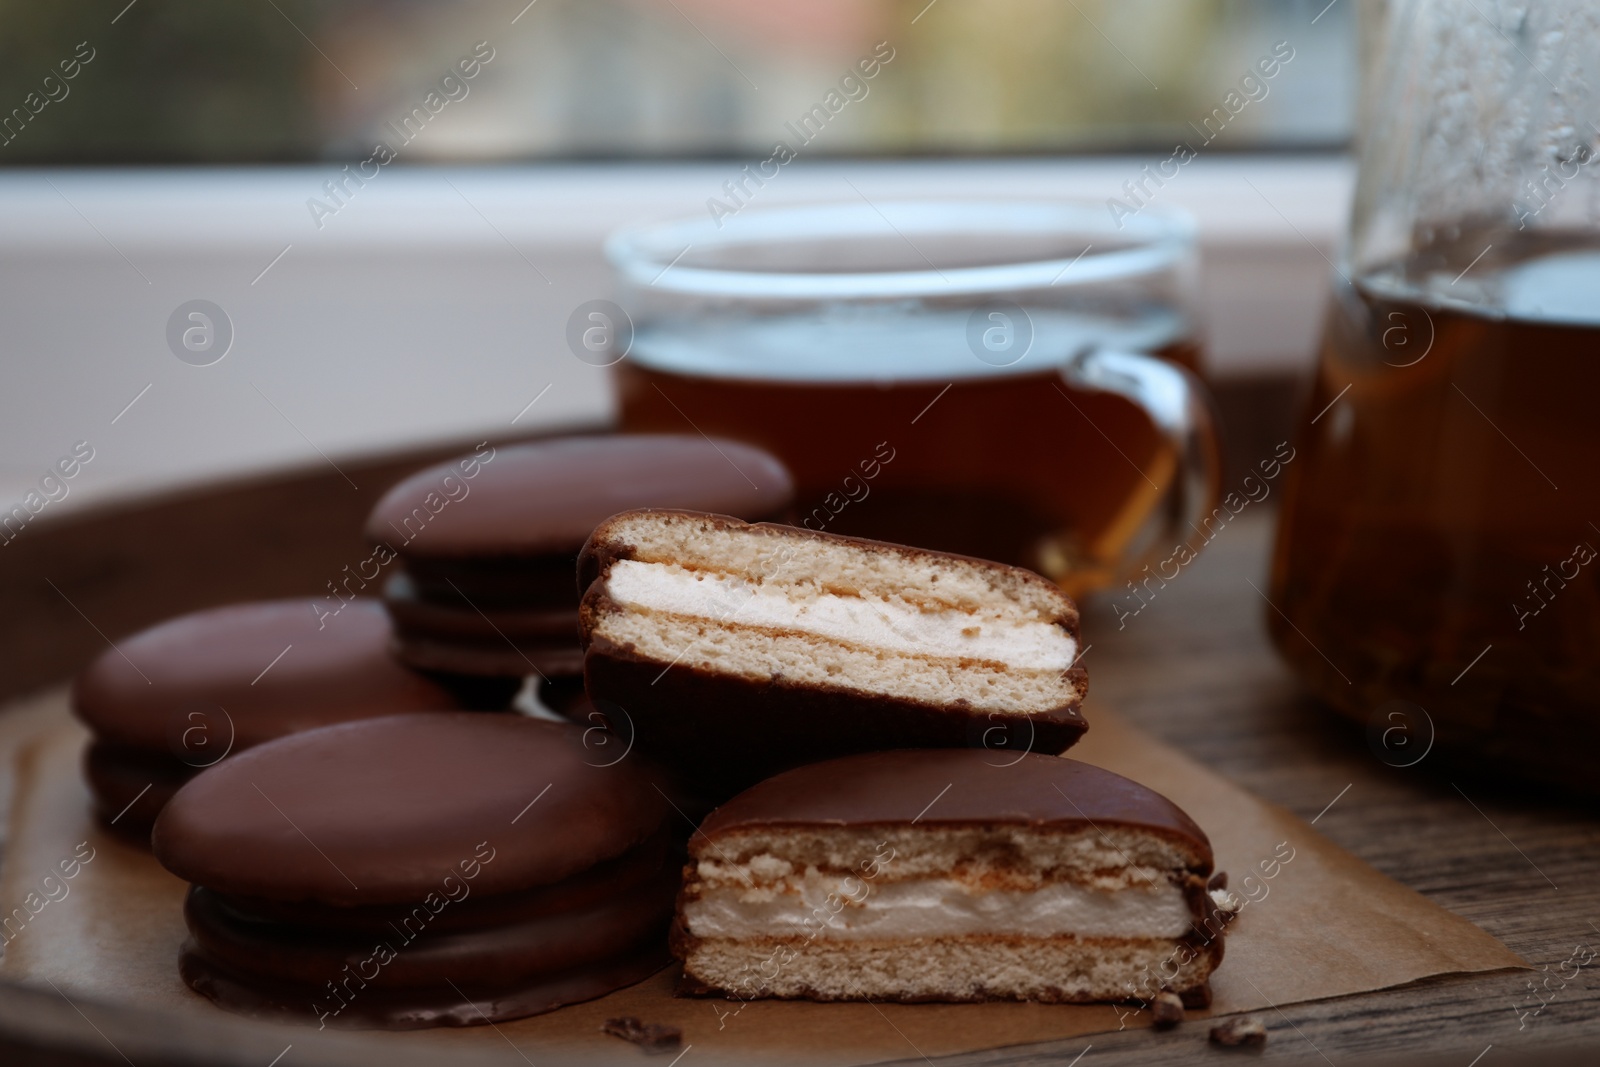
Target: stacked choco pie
x=879 y=724
x=184 y=694
x=486 y=592
x=423 y=869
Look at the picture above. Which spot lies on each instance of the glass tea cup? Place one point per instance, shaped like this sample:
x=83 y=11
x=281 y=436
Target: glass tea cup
x=1009 y=380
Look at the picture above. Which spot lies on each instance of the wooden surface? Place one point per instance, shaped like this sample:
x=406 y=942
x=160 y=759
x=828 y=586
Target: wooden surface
x=1193 y=667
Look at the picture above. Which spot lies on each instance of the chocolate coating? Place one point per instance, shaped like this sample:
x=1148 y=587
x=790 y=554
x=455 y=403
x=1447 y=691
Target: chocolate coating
x=413 y=1009
x=545 y=498
x=131 y=786
x=378 y=811
x=972 y=787
x=703 y=724
x=564 y=695
x=539 y=944
x=613 y=879
x=453 y=636
x=484 y=659
x=450 y=617
x=492 y=582
x=197 y=664
x=478 y=692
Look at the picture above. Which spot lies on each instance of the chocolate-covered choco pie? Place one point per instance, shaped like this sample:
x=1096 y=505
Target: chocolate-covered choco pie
x=421 y=870
x=183 y=694
x=948 y=875
x=486 y=586
x=737 y=650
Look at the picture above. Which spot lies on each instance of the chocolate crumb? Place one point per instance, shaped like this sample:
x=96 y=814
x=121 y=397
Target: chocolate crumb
x=1241 y=1030
x=1167 y=1010
x=652 y=1037
x=1218 y=881
x=1197 y=998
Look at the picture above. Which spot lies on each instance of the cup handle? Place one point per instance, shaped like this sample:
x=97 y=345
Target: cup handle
x=1182 y=411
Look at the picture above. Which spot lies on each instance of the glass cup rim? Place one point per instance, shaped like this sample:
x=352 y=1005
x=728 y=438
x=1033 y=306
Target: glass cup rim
x=647 y=255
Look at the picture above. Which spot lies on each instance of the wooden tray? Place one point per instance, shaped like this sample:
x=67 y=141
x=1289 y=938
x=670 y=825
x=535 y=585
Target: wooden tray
x=1215 y=689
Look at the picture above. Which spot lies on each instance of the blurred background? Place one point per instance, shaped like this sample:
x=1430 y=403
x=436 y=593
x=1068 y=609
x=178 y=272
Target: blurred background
x=187 y=81
x=396 y=244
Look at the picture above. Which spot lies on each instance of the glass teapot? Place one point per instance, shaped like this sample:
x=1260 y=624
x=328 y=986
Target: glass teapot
x=1437 y=567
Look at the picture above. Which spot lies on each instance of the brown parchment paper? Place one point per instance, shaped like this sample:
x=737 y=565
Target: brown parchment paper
x=1324 y=924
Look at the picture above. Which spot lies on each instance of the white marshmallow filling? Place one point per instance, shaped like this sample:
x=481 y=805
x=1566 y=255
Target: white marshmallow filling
x=831 y=907
x=881 y=622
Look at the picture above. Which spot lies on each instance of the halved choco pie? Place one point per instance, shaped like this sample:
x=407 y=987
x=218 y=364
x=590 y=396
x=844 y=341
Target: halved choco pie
x=735 y=651
x=948 y=875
